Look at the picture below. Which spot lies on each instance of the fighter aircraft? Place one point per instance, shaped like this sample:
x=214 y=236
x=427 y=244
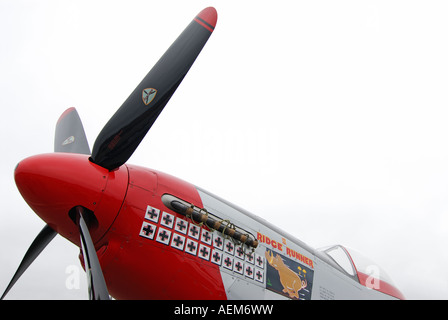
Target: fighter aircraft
x=144 y=234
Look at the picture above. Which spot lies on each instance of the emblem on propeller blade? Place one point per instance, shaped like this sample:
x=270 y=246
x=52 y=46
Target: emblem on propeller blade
x=148 y=95
x=69 y=140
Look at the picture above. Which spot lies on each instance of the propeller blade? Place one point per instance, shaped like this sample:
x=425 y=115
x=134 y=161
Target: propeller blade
x=128 y=126
x=97 y=284
x=42 y=240
x=70 y=136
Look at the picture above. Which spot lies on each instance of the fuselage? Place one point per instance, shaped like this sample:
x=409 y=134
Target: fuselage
x=149 y=247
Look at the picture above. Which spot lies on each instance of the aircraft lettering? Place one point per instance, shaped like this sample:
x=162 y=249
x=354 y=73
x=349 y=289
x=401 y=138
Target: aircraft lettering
x=265 y=239
x=281 y=246
x=300 y=257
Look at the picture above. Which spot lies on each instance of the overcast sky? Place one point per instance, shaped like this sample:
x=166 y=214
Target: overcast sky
x=326 y=118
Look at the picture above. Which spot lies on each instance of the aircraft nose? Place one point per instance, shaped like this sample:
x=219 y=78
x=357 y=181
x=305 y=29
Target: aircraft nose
x=53 y=184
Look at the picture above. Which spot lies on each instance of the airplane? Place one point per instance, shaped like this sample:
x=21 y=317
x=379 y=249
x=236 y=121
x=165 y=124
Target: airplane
x=144 y=234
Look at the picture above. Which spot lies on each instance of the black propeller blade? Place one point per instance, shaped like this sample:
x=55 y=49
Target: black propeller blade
x=97 y=284
x=42 y=240
x=129 y=125
x=70 y=136
x=121 y=136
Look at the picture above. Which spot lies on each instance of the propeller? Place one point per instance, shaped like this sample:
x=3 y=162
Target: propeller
x=70 y=136
x=97 y=284
x=121 y=136
x=128 y=126
x=40 y=242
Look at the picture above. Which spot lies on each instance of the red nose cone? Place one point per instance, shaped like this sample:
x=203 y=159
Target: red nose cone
x=53 y=184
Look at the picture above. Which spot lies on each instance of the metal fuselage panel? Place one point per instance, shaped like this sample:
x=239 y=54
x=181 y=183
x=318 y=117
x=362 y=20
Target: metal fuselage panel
x=145 y=255
x=153 y=252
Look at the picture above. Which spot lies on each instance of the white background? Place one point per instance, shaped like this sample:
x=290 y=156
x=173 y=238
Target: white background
x=326 y=118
